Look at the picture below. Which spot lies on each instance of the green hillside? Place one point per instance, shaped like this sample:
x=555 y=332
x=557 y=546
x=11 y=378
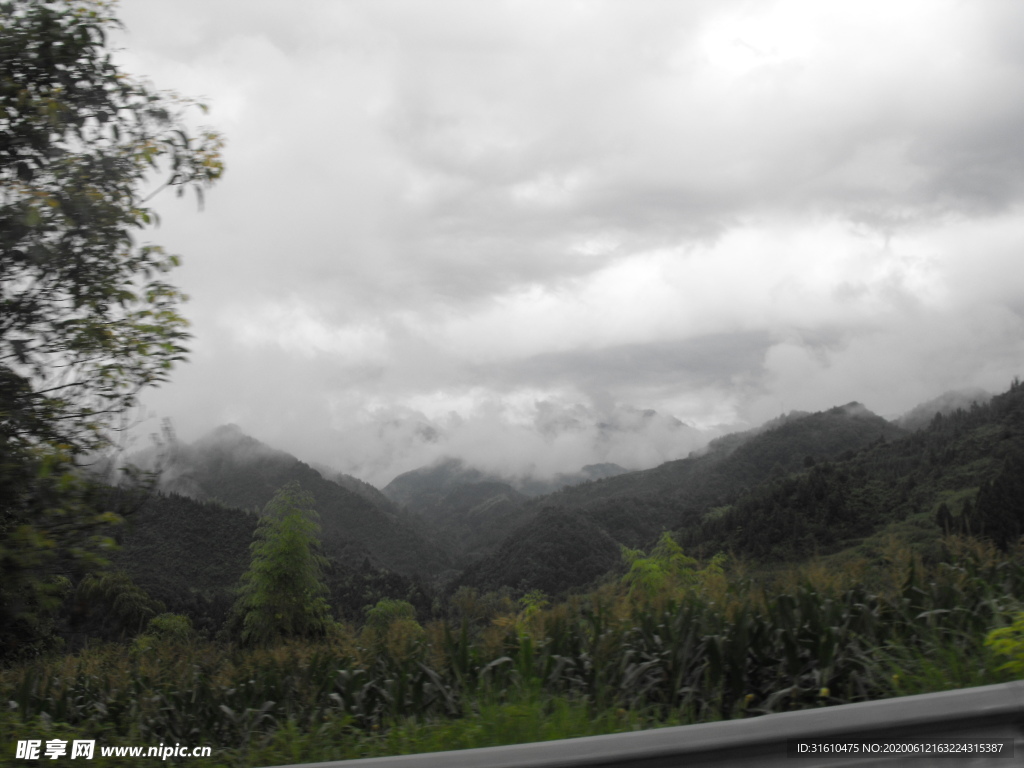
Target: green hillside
x=560 y=548
x=805 y=484
x=236 y=470
x=188 y=554
x=474 y=518
x=960 y=473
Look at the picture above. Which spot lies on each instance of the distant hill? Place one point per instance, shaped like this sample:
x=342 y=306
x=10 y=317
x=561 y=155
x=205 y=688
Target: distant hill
x=472 y=511
x=369 y=492
x=231 y=468
x=803 y=483
x=957 y=474
x=191 y=554
x=531 y=486
x=559 y=549
x=421 y=489
x=188 y=554
x=732 y=463
x=474 y=518
x=921 y=416
x=633 y=508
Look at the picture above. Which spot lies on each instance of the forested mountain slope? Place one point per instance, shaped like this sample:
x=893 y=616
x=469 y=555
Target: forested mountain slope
x=369 y=492
x=472 y=511
x=533 y=486
x=742 y=460
x=921 y=415
x=190 y=555
x=473 y=519
x=558 y=550
x=963 y=472
x=420 y=490
x=632 y=509
x=813 y=484
x=236 y=470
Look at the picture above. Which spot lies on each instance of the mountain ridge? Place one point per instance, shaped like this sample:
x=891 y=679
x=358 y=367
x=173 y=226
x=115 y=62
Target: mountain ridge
x=231 y=468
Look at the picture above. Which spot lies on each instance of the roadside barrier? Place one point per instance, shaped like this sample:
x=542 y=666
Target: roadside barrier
x=972 y=727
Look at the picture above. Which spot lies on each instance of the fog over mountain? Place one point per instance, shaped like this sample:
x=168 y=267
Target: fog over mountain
x=559 y=439
x=503 y=232
x=920 y=416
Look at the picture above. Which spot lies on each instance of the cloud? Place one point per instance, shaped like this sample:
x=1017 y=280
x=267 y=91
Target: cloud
x=711 y=210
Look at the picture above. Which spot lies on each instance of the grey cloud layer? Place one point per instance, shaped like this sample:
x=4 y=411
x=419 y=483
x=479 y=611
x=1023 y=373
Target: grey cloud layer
x=709 y=209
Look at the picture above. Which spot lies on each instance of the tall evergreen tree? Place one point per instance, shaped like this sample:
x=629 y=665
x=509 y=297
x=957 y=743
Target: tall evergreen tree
x=282 y=593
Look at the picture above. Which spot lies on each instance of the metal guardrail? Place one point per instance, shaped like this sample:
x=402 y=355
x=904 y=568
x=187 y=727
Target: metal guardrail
x=993 y=713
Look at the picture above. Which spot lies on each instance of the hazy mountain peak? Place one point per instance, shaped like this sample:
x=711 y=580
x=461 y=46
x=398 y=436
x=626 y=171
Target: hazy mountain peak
x=921 y=415
x=226 y=433
x=853 y=408
x=604 y=469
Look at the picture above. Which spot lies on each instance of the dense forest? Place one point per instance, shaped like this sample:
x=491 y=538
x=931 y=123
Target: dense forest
x=806 y=484
x=836 y=483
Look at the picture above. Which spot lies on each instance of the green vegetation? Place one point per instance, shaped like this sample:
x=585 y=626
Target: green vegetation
x=724 y=647
x=282 y=593
x=899 y=600
x=1009 y=642
x=238 y=471
x=86 y=319
x=665 y=629
x=807 y=484
x=667 y=571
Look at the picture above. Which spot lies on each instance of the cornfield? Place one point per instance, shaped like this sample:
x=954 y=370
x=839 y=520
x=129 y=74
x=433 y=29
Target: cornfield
x=735 y=649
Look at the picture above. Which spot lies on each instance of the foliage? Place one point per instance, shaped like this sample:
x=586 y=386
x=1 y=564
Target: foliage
x=391 y=628
x=1009 y=641
x=387 y=611
x=282 y=593
x=162 y=633
x=999 y=511
x=52 y=525
x=113 y=606
x=188 y=554
x=799 y=642
x=86 y=319
x=667 y=570
x=529 y=621
x=520 y=717
x=170 y=626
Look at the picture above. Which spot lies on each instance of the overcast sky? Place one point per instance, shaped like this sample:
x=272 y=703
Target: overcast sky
x=486 y=228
